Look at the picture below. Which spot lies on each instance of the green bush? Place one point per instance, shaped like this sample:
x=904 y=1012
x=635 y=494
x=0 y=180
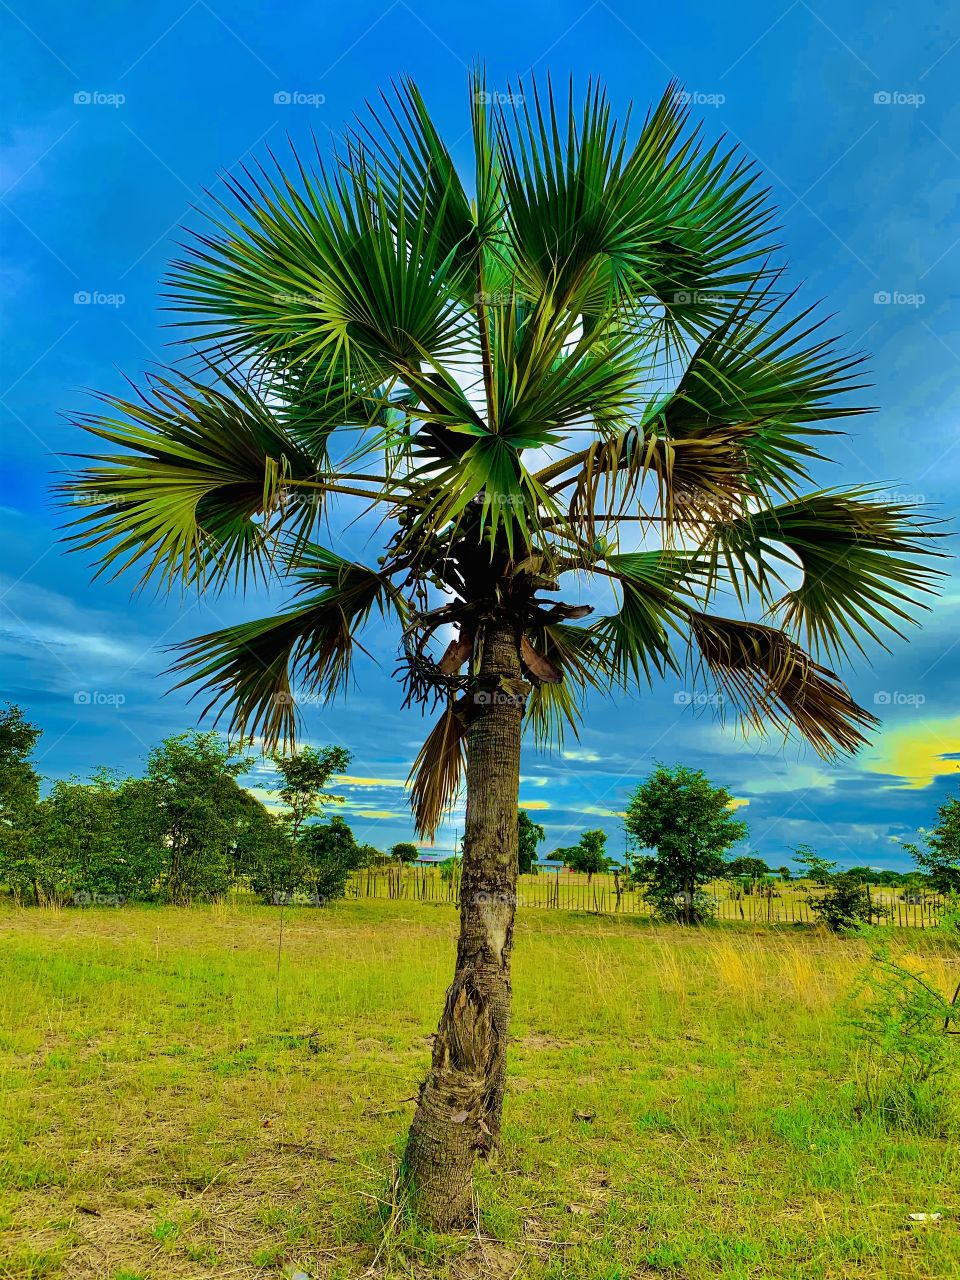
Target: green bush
x=905 y=1026
x=845 y=902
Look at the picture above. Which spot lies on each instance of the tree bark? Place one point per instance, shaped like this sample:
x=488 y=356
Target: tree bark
x=459 y=1109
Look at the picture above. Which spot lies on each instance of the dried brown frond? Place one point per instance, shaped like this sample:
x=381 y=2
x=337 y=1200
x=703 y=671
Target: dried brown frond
x=437 y=771
x=775 y=683
x=700 y=475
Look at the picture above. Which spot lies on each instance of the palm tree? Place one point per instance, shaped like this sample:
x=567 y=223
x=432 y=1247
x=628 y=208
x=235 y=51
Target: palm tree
x=578 y=363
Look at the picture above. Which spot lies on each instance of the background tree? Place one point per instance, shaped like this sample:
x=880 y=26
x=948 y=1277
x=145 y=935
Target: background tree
x=330 y=853
x=529 y=835
x=633 y=364
x=304 y=776
x=939 y=858
x=865 y=874
x=814 y=868
x=92 y=841
x=690 y=824
x=269 y=850
x=267 y=859
x=748 y=865
x=405 y=852
x=198 y=814
x=748 y=868
x=371 y=856
x=588 y=856
x=19 y=795
x=889 y=877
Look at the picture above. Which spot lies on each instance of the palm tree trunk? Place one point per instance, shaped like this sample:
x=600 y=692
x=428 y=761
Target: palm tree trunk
x=459 y=1109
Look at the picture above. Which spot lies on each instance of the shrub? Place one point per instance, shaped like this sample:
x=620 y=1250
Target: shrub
x=450 y=869
x=845 y=902
x=905 y=1026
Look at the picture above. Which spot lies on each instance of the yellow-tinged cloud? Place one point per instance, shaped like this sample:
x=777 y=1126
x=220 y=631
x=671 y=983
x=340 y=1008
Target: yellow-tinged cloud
x=914 y=751
x=374 y=813
x=737 y=802
x=599 y=812
x=533 y=804
x=348 y=780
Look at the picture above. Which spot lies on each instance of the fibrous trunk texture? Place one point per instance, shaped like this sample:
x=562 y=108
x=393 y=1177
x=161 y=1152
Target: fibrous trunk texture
x=460 y=1104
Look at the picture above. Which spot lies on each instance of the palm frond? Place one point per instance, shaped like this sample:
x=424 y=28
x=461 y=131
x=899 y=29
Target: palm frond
x=326 y=271
x=582 y=657
x=659 y=222
x=741 y=422
x=866 y=565
x=199 y=491
x=774 y=684
x=416 y=170
x=437 y=772
x=249 y=669
x=638 y=636
x=552 y=710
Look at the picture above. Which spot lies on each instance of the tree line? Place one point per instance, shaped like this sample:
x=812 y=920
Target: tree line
x=187 y=831
x=681 y=829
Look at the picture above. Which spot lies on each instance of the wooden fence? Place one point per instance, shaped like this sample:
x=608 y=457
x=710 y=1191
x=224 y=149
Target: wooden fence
x=609 y=895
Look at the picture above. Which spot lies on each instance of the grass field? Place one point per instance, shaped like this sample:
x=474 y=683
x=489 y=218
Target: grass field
x=679 y=1101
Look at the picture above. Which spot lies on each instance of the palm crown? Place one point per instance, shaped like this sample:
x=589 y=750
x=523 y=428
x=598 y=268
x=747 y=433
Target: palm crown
x=580 y=363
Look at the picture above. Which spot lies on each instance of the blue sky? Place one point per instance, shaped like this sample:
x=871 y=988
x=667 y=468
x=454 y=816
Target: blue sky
x=117 y=119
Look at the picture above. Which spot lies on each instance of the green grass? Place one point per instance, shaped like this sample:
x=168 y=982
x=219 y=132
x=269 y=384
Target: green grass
x=679 y=1101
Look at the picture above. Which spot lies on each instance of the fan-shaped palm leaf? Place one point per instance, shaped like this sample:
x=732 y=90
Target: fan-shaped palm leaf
x=197 y=493
x=250 y=668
